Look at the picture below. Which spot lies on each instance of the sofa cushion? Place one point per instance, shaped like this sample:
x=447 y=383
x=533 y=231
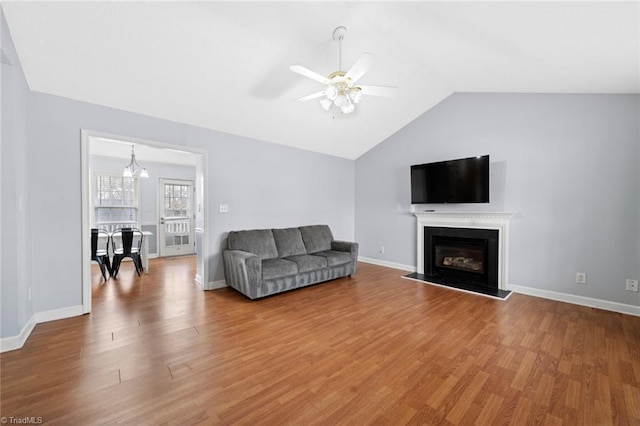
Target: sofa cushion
x=335 y=258
x=307 y=262
x=288 y=242
x=316 y=238
x=278 y=268
x=257 y=241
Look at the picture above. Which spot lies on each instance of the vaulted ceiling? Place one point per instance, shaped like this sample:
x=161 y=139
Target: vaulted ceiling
x=224 y=65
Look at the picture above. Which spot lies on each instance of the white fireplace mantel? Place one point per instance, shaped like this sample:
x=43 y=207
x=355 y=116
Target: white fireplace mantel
x=476 y=220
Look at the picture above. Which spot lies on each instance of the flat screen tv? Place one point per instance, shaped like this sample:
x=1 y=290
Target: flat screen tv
x=457 y=181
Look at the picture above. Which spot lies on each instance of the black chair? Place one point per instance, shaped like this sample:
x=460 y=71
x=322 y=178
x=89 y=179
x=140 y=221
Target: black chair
x=126 y=249
x=100 y=255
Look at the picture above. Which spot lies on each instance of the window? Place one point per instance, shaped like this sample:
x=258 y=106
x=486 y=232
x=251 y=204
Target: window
x=115 y=202
x=177 y=199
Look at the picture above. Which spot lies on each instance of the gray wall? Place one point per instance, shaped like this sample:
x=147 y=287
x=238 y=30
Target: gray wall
x=265 y=185
x=15 y=235
x=565 y=165
x=148 y=208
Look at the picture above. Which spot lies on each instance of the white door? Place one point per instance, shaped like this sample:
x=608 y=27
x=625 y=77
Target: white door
x=176 y=217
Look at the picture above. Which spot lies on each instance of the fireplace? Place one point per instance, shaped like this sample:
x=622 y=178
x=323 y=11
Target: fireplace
x=465 y=250
x=461 y=255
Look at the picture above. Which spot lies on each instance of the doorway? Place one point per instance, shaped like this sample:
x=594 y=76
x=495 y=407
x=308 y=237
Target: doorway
x=176 y=218
x=91 y=142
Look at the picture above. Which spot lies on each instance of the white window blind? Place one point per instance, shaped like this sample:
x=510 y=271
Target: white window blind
x=115 y=202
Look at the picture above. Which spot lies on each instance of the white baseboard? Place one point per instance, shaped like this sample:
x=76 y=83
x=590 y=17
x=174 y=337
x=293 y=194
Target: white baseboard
x=152 y=256
x=393 y=265
x=12 y=343
x=56 y=314
x=214 y=285
x=577 y=300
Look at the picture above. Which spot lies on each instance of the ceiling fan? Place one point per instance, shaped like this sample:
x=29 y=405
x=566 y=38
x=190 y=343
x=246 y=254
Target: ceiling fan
x=342 y=90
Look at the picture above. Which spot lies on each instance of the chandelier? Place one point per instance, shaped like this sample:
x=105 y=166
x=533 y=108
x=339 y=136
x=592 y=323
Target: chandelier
x=133 y=169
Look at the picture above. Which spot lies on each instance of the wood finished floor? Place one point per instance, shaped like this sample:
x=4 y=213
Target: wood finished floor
x=372 y=349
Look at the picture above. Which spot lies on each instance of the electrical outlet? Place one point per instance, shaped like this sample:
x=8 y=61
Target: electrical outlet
x=224 y=208
x=632 y=285
x=581 y=277
x=381 y=249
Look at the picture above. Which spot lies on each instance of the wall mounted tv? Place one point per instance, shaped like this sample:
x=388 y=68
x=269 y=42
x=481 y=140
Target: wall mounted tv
x=457 y=181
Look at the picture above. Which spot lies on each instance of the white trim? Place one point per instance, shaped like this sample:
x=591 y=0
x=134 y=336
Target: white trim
x=12 y=343
x=152 y=256
x=475 y=293
x=86 y=203
x=577 y=300
x=58 y=314
x=475 y=220
x=214 y=285
x=198 y=280
x=393 y=265
x=204 y=182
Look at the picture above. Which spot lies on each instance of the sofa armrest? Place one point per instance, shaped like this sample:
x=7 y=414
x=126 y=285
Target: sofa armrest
x=349 y=247
x=243 y=271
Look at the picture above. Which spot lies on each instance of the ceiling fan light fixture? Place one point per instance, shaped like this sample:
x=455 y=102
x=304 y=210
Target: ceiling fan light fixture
x=340 y=89
x=348 y=108
x=355 y=94
x=341 y=100
x=331 y=92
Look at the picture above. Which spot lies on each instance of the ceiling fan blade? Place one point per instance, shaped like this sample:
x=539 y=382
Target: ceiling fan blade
x=387 y=91
x=312 y=96
x=309 y=74
x=361 y=66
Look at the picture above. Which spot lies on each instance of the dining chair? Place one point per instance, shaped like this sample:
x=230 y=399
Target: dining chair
x=101 y=256
x=130 y=246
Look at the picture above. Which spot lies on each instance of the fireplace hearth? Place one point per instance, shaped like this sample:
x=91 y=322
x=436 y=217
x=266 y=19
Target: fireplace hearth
x=466 y=258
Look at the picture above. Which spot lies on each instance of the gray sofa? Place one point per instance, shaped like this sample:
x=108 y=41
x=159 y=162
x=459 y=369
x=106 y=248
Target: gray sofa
x=262 y=262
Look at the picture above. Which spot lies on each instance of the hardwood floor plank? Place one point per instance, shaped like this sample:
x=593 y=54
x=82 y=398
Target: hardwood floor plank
x=370 y=349
x=465 y=396
x=522 y=412
x=632 y=399
x=490 y=407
